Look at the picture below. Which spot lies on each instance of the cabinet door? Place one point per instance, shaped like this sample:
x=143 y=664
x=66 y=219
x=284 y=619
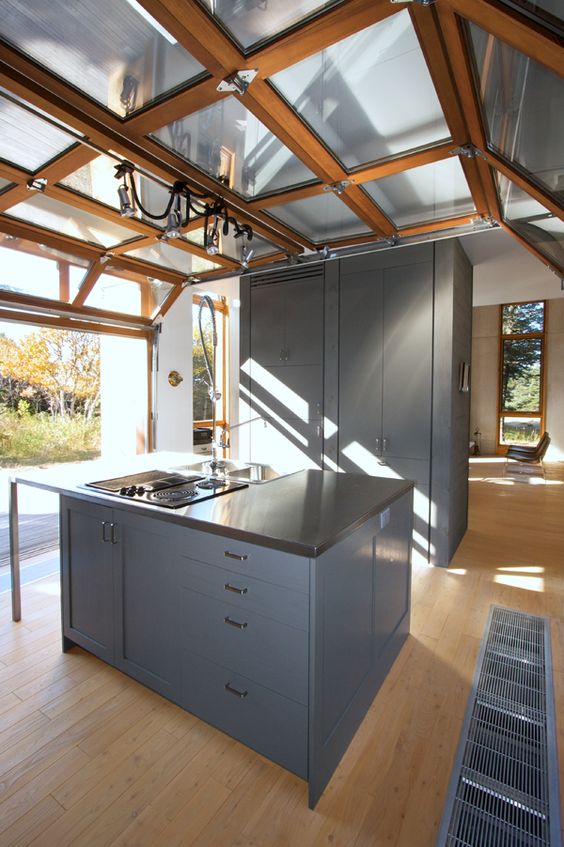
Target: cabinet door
x=392 y=572
x=88 y=576
x=304 y=322
x=292 y=444
x=268 y=321
x=147 y=598
x=360 y=370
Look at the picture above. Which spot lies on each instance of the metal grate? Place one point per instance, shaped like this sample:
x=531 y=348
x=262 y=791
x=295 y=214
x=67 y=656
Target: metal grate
x=504 y=787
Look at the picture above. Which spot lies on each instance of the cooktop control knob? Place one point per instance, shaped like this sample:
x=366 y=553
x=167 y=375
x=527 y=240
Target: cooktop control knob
x=131 y=491
x=123 y=490
x=140 y=489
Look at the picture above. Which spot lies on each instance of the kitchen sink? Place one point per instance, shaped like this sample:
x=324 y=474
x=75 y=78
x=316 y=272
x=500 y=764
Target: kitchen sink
x=252 y=472
x=256 y=473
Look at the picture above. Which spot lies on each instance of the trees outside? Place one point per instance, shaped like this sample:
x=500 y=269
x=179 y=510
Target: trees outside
x=49 y=396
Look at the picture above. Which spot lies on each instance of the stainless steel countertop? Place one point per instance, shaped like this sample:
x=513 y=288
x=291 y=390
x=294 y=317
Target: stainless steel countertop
x=305 y=513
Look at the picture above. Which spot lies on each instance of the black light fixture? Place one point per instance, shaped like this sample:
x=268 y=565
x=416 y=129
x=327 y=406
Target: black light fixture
x=182 y=202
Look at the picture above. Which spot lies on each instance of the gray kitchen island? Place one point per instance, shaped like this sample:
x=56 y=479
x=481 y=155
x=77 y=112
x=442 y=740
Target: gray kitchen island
x=273 y=612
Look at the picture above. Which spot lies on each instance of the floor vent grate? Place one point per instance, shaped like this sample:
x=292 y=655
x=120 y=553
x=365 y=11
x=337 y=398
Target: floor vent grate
x=504 y=787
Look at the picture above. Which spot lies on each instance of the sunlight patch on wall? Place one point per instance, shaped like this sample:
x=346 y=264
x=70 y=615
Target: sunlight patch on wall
x=276 y=388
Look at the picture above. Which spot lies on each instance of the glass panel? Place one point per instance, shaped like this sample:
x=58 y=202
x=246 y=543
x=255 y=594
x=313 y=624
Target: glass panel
x=226 y=141
x=251 y=21
x=524 y=431
x=231 y=247
x=202 y=405
x=335 y=92
x=112 y=50
x=523 y=104
x=30 y=268
x=520 y=379
x=549 y=12
x=97 y=180
x=172 y=257
x=52 y=214
x=26 y=140
x=4 y=183
x=117 y=294
x=427 y=193
x=533 y=221
x=321 y=218
x=519 y=318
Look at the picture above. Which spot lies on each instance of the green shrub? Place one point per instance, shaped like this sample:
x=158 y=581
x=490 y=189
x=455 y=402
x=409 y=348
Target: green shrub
x=27 y=439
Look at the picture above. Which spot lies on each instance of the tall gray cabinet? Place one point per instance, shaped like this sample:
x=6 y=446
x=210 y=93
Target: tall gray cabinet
x=373 y=344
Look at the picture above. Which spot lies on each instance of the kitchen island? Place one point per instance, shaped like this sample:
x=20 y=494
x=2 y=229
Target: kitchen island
x=273 y=612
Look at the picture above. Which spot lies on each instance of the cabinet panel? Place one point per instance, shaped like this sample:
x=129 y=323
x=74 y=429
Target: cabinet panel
x=287 y=323
x=391 y=574
x=268 y=307
x=289 y=391
x=293 y=444
x=88 y=576
x=269 y=723
x=269 y=652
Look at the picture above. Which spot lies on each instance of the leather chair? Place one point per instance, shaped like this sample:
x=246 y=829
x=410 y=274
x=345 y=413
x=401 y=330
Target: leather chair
x=532 y=455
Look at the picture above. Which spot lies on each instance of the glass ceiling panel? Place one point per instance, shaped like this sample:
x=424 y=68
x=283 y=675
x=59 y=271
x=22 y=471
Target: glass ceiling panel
x=26 y=140
x=532 y=220
x=116 y=294
x=33 y=269
x=173 y=258
x=231 y=247
x=369 y=96
x=226 y=141
x=4 y=183
x=252 y=21
x=548 y=12
x=321 y=218
x=523 y=105
x=111 y=50
x=60 y=217
x=427 y=193
x=97 y=180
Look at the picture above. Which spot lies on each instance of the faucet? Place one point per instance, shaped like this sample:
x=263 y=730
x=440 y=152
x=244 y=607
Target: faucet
x=214 y=394
x=224 y=437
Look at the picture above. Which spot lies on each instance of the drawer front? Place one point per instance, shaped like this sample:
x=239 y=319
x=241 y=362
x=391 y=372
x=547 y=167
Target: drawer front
x=271 y=653
x=260 y=562
x=260 y=718
x=246 y=593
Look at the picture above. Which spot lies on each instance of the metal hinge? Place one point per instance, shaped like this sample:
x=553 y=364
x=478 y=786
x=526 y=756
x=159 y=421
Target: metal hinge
x=469 y=151
x=238 y=81
x=338 y=187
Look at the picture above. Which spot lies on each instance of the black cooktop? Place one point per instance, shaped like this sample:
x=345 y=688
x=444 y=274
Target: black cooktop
x=169 y=490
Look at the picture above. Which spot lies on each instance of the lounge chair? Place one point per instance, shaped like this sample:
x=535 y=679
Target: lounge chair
x=529 y=456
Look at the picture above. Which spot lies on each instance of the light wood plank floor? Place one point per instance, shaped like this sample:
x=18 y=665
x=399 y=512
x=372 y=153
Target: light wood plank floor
x=90 y=758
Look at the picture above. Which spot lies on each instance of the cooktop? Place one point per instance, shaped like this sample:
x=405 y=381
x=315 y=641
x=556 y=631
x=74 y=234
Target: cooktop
x=169 y=490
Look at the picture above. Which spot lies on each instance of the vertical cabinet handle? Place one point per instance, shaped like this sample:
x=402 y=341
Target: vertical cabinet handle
x=235 y=691
x=113 y=535
x=105 y=525
x=378 y=444
x=385 y=444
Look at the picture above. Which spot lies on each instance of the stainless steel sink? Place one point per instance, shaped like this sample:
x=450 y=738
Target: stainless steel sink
x=256 y=473
x=252 y=472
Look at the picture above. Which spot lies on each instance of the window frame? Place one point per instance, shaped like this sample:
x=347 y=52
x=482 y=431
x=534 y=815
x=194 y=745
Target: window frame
x=501 y=412
x=221 y=308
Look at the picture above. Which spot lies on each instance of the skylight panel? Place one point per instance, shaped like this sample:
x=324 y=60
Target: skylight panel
x=229 y=143
x=26 y=140
x=231 y=247
x=532 y=220
x=427 y=193
x=321 y=218
x=112 y=50
x=368 y=97
x=116 y=294
x=173 y=258
x=33 y=269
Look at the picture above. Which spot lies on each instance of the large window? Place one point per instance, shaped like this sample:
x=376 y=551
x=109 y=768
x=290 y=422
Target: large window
x=202 y=404
x=522 y=371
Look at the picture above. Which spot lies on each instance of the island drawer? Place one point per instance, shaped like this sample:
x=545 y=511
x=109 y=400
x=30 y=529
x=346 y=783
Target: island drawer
x=269 y=652
x=263 y=563
x=271 y=724
x=246 y=593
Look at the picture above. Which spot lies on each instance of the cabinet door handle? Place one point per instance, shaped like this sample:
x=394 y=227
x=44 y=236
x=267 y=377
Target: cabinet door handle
x=385 y=444
x=234 y=589
x=235 y=691
x=236 y=624
x=377 y=443
x=114 y=538
x=240 y=558
x=104 y=535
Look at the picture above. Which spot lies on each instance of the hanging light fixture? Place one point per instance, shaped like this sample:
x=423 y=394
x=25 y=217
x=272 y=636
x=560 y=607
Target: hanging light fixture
x=182 y=202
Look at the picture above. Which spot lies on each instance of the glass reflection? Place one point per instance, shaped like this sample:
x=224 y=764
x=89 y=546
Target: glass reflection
x=320 y=218
x=172 y=257
x=26 y=140
x=117 y=294
x=227 y=142
x=345 y=94
x=523 y=106
x=532 y=220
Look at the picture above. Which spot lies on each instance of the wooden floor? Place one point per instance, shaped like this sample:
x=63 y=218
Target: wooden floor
x=90 y=758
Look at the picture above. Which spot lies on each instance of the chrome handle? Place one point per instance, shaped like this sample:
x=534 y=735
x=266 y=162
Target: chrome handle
x=385 y=444
x=239 y=558
x=378 y=442
x=235 y=691
x=104 y=536
x=113 y=535
x=234 y=589
x=236 y=624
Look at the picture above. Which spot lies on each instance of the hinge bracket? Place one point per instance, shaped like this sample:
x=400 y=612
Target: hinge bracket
x=238 y=81
x=469 y=151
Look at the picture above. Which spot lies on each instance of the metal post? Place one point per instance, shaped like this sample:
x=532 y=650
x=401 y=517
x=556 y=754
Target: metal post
x=15 y=553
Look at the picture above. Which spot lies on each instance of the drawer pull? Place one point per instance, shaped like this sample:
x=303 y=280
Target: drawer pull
x=234 y=589
x=235 y=691
x=236 y=624
x=239 y=558
x=105 y=538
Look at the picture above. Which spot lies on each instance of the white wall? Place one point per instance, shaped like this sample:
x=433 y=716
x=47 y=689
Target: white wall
x=174 y=405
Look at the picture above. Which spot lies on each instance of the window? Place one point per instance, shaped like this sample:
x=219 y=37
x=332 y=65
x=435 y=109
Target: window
x=202 y=406
x=522 y=373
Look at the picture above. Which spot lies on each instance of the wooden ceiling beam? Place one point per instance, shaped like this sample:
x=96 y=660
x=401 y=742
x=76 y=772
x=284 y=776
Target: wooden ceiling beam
x=174 y=108
x=321 y=32
x=91 y=278
x=365 y=208
x=44 y=303
x=289 y=196
x=86 y=325
x=557 y=269
x=515 y=29
x=475 y=183
x=435 y=226
x=170 y=300
x=58 y=241
x=69 y=161
x=514 y=175
x=403 y=163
